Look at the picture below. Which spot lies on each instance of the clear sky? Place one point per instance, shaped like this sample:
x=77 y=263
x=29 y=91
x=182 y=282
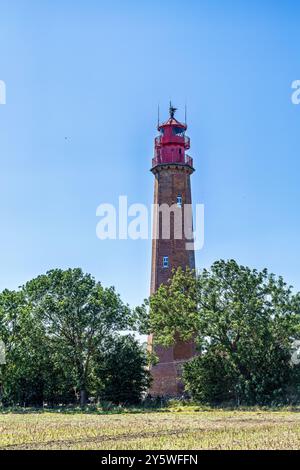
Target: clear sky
x=83 y=81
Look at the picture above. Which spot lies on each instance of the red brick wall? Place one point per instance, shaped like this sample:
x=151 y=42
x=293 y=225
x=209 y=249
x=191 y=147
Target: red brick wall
x=170 y=181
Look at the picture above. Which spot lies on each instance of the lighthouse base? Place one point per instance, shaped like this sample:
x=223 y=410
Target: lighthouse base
x=167 y=374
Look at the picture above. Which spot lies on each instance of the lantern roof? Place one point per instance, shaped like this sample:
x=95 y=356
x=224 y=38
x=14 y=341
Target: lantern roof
x=172 y=121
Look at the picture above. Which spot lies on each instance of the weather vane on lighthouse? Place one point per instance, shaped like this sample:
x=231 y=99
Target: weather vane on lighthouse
x=172 y=111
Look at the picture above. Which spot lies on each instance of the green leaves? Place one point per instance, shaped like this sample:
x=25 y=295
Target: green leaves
x=121 y=371
x=242 y=318
x=173 y=308
x=55 y=327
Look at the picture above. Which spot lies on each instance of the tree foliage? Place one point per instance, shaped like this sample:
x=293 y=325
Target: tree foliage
x=244 y=322
x=122 y=371
x=55 y=328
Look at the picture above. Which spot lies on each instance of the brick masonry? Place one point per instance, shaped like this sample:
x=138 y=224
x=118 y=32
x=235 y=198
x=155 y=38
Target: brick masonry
x=171 y=180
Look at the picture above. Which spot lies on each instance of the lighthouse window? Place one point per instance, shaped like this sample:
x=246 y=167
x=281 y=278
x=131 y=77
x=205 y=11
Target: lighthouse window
x=178 y=131
x=179 y=200
x=165 y=262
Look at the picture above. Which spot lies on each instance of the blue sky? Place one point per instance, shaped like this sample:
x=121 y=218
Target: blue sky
x=94 y=72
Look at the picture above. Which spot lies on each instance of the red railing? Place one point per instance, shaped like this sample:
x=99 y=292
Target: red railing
x=173 y=139
x=187 y=142
x=189 y=160
x=158 y=140
x=181 y=160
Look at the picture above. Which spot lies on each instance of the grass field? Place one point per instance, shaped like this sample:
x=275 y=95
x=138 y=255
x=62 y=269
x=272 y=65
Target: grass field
x=152 y=430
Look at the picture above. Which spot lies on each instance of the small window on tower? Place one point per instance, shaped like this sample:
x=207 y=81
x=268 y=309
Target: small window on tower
x=179 y=200
x=165 y=262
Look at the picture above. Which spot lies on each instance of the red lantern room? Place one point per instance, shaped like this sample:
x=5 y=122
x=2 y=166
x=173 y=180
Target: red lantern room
x=171 y=144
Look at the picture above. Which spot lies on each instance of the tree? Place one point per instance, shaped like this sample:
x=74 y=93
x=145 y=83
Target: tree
x=12 y=316
x=244 y=322
x=78 y=315
x=34 y=372
x=122 y=371
x=62 y=333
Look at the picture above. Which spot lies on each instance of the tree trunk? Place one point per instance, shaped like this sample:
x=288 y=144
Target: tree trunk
x=83 y=397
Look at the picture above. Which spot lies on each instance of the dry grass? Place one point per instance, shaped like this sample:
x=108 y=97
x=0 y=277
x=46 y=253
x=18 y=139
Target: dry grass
x=170 y=430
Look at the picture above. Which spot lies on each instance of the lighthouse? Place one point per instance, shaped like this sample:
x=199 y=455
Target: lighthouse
x=172 y=169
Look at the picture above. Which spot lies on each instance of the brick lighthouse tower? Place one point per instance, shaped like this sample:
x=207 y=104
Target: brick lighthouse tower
x=172 y=169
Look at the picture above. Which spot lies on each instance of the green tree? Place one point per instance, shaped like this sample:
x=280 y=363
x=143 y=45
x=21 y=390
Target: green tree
x=244 y=322
x=79 y=315
x=13 y=314
x=33 y=372
x=62 y=337
x=122 y=371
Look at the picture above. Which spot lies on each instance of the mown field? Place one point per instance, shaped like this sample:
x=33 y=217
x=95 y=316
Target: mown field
x=152 y=430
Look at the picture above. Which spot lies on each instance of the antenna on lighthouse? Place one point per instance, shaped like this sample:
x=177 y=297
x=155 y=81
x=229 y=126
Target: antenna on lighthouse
x=158 y=115
x=185 y=114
